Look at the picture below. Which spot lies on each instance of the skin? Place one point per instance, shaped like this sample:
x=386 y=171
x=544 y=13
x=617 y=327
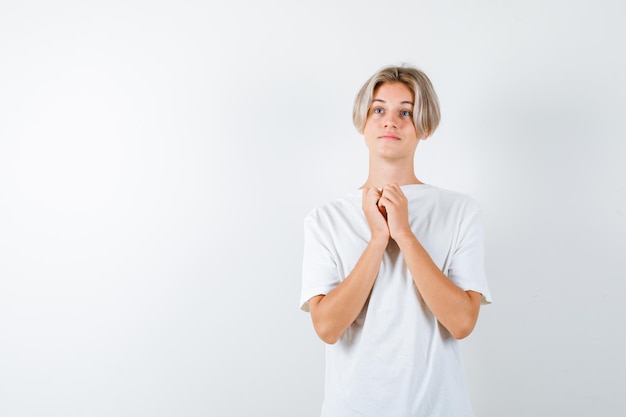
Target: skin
x=392 y=140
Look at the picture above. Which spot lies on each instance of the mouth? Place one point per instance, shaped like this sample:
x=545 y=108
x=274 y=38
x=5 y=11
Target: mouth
x=388 y=136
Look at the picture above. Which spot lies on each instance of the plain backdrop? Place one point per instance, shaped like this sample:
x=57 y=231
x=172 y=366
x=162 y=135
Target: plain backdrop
x=157 y=159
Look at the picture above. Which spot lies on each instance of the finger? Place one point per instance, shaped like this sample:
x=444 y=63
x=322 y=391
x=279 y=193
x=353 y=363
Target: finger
x=394 y=193
x=369 y=191
x=373 y=197
x=390 y=195
x=393 y=188
x=382 y=208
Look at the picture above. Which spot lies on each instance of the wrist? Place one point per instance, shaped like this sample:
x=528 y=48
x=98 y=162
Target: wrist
x=379 y=240
x=404 y=239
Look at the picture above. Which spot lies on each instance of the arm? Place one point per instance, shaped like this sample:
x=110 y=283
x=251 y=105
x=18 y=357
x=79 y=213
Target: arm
x=456 y=310
x=334 y=312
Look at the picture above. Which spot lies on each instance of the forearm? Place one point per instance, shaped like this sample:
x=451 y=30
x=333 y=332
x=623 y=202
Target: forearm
x=456 y=309
x=334 y=312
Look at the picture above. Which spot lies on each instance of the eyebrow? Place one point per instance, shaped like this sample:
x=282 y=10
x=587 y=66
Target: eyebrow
x=402 y=102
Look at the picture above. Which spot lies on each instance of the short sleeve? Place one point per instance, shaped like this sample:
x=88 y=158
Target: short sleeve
x=467 y=267
x=319 y=268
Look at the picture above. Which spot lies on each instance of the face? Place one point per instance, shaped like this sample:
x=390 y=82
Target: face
x=389 y=131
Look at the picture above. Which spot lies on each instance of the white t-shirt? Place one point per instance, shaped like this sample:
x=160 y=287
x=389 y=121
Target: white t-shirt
x=395 y=359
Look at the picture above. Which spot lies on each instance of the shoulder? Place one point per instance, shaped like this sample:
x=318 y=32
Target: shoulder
x=334 y=208
x=453 y=200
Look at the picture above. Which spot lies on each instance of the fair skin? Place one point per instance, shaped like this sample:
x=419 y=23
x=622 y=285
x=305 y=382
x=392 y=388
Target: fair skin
x=392 y=140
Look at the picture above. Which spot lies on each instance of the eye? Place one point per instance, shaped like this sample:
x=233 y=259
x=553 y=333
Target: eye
x=406 y=113
x=378 y=110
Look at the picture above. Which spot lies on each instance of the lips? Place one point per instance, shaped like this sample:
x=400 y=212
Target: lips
x=389 y=136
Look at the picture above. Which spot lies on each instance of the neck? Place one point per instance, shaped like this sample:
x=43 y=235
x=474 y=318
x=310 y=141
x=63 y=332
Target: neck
x=390 y=172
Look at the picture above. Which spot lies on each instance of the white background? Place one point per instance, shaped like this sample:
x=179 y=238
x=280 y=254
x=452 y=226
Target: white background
x=157 y=159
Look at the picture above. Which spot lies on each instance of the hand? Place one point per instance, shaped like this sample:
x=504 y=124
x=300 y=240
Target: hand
x=375 y=214
x=395 y=204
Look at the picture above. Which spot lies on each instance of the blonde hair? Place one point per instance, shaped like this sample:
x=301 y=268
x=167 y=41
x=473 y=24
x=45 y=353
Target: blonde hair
x=426 y=113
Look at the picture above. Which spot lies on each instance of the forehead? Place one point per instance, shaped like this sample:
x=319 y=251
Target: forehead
x=393 y=92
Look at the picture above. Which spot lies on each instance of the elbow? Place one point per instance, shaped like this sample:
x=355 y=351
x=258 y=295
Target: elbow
x=327 y=334
x=329 y=340
x=464 y=322
x=462 y=328
x=325 y=325
x=461 y=332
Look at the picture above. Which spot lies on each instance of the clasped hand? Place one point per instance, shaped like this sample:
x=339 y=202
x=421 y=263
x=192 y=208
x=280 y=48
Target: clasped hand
x=386 y=211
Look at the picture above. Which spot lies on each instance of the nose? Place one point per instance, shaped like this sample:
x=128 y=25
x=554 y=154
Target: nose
x=390 y=121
